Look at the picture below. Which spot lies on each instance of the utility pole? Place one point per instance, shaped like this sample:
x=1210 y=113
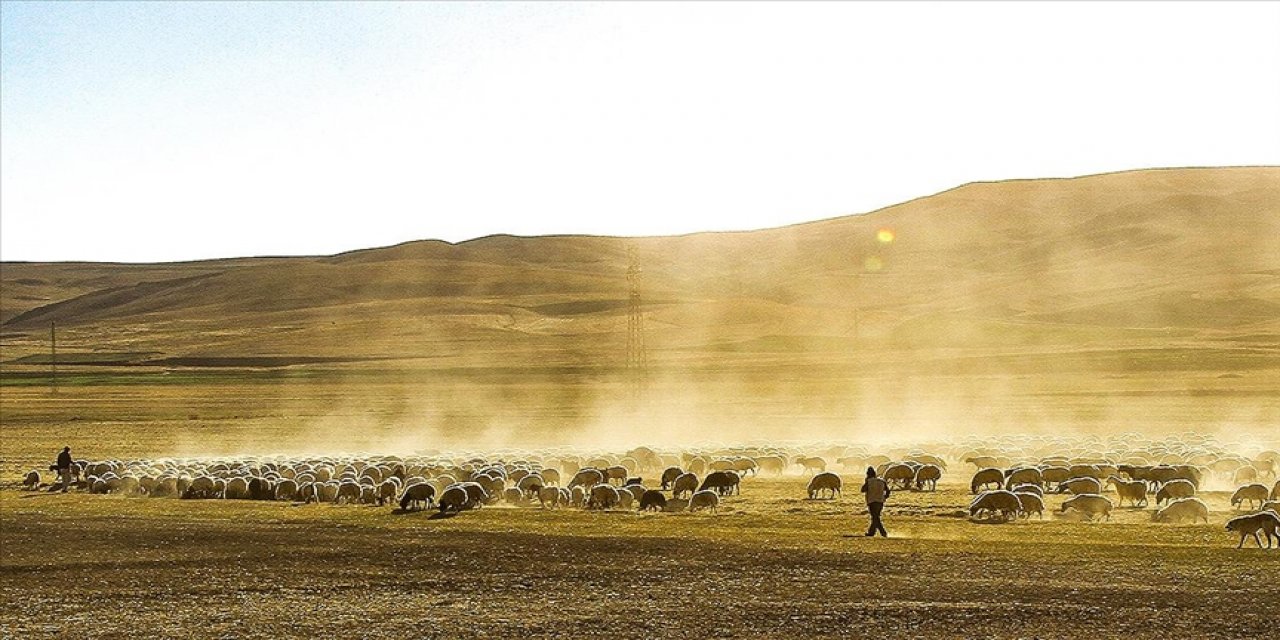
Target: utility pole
x=53 y=357
x=637 y=355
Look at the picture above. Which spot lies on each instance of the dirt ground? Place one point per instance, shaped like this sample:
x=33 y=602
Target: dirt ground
x=769 y=564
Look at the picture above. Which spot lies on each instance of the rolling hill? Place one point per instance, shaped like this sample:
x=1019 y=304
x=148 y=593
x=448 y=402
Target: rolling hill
x=1123 y=260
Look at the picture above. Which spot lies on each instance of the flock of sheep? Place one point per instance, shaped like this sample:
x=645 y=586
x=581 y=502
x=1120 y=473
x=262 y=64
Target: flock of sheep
x=1012 y=476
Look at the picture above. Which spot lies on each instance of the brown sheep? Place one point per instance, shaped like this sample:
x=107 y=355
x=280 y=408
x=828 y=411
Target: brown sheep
x=653 y=500
x=1135 y=491
x=1003 y=503
x=927 y=477
x=899 y=475
x=1253 y=493
x=985 y=477
x=826 y=481
x=669 y=475
x=1091 y=505
x=1174 y=490
x=705 y=499
x=685 y=483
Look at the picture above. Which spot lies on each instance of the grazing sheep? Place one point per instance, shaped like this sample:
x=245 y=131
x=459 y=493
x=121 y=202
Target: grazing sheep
x=928 y=476
x=602 y=496
x=1091 y=505
x=825 y=482
x=776 y=465
x=549 y=497
x=514 y=496
x=1030 y=503
x=550 y=477
x=744 y=465
x=653 y=500
x=636 y=490
x=577 y=497
x=1003 y=503
x=1054 y=475
x=1023 y=475
x=453 y=500
x=348 y=491
x=1029 y=488
x=724 y=482
x=685 y=483
x=1251 y=525
x=704 y=499
x=387 y=490
x=1253 y=493
x=616 y=472
x=419 y=495
x=1245 y=474
x=676 y=505
x=1174 y=490
x=625 y=499
x=1081 y=486
x=669 y=475
x=1135 y=491
x=899 y=475
x=1183 y=509
x=813 y=464
x=530 y=484
x=985 y=477
x=32 y=480
x=587 y=478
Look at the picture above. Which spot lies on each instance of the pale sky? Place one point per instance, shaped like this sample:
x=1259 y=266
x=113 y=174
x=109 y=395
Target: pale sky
x=151 y=131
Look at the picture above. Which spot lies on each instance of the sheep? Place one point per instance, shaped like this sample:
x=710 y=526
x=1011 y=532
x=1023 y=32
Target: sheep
x=1264 y=521
x=1174 y=490
x=587 y=478
x=1183 y=509
x=1250 y=492
x=550 y=477
x=983 y=462
x=1029 y=488
x=616 y=472
x=1081 y=486
x=826 y=481
x=653 y=500
x=530 y=485
x=1054 y=475
x=776 y=465
x=1023 y=475
x=636 y=490
x=812 y=463
x=899 y=475
x=1135 y=491
x=669 y=475
x=724 y=482
x=31 y=481
x=984 y=477
x=1275 y=491
x=200 y=487
x=1245 y=474
x=685 y=483
x=625 y=499
x=676 y=505
x=928 y=475
x=577 y=497
x=452 y=500
x=744 y=465
x=1091 y=505
x=1030 y=503
x=549 y=497
x=704 y=499
x=602 y=496
x=1004 y=503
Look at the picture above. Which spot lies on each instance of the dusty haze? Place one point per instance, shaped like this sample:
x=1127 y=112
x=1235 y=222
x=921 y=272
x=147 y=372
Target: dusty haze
x=1146 y=301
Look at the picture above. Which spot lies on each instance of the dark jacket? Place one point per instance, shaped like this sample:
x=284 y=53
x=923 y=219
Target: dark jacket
x=64 y=460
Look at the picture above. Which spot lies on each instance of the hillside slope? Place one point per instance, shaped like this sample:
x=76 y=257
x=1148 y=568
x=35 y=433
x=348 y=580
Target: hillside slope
x=1114 y=261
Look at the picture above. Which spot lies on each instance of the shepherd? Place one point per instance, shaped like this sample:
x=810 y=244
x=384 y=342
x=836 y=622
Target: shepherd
x=877 y=491
x=64 y=468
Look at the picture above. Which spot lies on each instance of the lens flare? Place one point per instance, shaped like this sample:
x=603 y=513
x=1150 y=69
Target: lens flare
x=885 y=236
